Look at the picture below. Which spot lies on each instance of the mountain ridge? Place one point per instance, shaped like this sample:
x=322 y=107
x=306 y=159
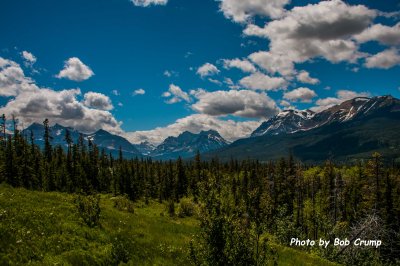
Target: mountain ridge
x=187 y=144
x=351 y=130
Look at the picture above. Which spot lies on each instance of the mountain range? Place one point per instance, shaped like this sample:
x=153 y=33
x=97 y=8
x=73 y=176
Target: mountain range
x=185 y=145
x=103 y=139
x=351 y=130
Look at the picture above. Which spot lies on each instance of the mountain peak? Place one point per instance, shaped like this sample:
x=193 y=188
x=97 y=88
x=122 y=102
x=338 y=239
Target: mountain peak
x=210 y=132
x=187 y=144
x=102 y=132
x=35 y=126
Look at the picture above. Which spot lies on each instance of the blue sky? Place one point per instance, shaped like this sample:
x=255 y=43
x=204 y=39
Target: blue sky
x=123 y=46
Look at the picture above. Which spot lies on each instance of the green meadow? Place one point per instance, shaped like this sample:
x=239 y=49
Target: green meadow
x=44 y=228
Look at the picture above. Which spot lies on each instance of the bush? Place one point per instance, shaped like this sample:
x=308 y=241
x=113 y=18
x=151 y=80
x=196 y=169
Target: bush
x=89 y=209
x=171 y=208
x=122 y=203
x=122 y=245
x=186 y=208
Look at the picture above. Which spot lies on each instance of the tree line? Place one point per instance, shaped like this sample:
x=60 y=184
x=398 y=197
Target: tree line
x=244 y=204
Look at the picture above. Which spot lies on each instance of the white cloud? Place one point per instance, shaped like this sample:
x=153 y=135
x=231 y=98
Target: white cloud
x=286 y=104
x=315 y=30
x=229 y=129
x=347 y=94
x=29 y=103
x=304 y=95
x=342 y=95
x=207 y=70
x=138 y=92
x=13 y=80
x=381 y=33
x=97 y=100
x=146 y=3
x=176 y=94
x=259 y=81
x=386 y=59
x=304 y=77
x=75 y=70
x=170 y=73
x=115 y=92
x=215 y=81
x=243 y=10
x=254 y=30
x=229 y=82
x=242 y=103
x=273 y=63
x=29 y=57
x=243 y=65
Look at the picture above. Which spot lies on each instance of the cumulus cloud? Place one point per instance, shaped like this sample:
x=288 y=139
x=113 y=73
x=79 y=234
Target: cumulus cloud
x=259 y=81
x=273 y=63
x=341 y=96
x=175 y=94
x=207 y=70
x=146 y=3
x=304 y=95
x=97 y=100
x=115 y=92
x=138 y=92
x=386 y=59
x=243 y=65
x=243 y=10
x=304 y=77
x=286 y=104
x=30 y=103
x=242 y=103
x=229 y=129
x=13 y=80
x=315 y=30
x=75 y=70
x=29 y=58
x=381 y=33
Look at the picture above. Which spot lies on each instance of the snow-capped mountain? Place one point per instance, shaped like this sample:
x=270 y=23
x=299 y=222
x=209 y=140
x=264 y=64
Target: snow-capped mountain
x=145 y=147
x=103 y=139
x=291 y=121
x=351 y=130
x=288 y=121
x=57 y=133
x=187 y=144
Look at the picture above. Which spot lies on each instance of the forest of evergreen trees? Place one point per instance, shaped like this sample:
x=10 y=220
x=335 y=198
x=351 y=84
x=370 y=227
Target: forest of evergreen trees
x=244 y=204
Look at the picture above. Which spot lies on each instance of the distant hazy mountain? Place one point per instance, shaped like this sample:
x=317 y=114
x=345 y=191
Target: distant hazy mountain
x=187 y=144
x=353 y=129
x=103 y=139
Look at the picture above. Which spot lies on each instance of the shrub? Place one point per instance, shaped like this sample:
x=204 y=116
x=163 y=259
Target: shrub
x=122 y=203
x=186 y=208
x=89 y=209
x=122 y=245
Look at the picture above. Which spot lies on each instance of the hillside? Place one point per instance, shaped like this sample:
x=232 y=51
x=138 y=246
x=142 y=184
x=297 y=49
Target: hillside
x=44 y=229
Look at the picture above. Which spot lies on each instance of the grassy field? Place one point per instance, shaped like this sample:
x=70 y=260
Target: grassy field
x=45 y=229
